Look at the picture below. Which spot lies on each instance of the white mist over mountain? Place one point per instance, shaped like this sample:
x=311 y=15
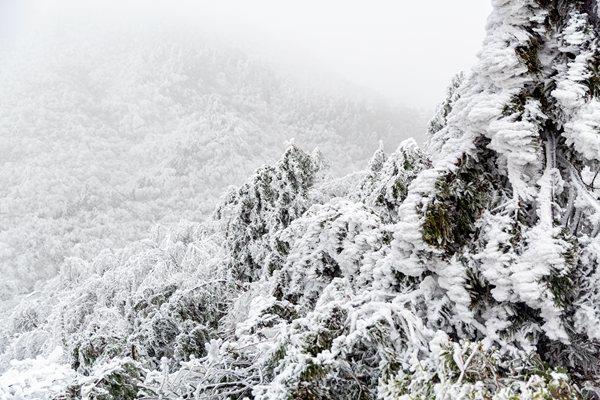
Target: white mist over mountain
x=110 y=127
x=387 y=46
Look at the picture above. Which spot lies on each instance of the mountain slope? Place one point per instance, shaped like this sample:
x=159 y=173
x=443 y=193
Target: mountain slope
x=107 y=132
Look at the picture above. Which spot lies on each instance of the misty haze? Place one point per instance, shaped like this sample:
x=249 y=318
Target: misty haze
x=298 y=201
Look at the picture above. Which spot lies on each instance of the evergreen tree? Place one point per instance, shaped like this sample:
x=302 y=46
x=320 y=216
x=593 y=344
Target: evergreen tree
x=506 y=207
x=385 y=185
x=440 y=118
x=270 y=201
x=436 y=139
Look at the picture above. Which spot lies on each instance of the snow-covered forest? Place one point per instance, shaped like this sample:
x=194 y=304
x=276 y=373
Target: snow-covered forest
x=182 y=246
x=103 y=139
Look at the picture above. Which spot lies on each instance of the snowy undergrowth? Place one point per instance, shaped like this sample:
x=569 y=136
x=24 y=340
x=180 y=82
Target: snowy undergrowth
x=172 y=317
x=36 y=379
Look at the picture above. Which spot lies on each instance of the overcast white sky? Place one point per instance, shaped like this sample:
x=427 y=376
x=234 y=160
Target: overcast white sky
x=405 y=50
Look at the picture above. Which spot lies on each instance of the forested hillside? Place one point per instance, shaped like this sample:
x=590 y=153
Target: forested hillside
x=105 y=133
x=467 y=269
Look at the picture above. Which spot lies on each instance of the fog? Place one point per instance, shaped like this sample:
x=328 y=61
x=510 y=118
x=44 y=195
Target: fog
x=406 y=51
x=114 y=121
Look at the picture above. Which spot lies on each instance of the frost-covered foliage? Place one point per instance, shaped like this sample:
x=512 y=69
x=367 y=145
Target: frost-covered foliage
x=36 y=379
x=273 y=198
x=440 y=118
x=101 y=138
x=504 y=218
x=385 y=185
x=466 y=272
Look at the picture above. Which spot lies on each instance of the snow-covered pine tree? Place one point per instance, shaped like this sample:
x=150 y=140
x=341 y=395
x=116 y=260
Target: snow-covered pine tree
x=507 y=219
x=440 y=118
x=271 y=200
x=385 y=184
x=436 y=139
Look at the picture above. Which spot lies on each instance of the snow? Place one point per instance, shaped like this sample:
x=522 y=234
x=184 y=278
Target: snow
x=36 y=379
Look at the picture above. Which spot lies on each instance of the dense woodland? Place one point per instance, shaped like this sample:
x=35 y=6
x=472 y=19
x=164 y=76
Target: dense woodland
x=102 y=138
x=465 y=269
